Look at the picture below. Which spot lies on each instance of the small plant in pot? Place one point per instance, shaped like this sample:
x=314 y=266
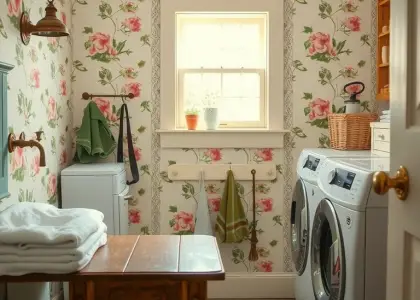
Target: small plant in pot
x=191 y=117
x=211 y=112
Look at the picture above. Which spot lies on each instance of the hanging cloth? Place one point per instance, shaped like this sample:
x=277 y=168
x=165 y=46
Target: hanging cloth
x=202 y=215
x=131 y=155
x=231 y=222
x=94 y=139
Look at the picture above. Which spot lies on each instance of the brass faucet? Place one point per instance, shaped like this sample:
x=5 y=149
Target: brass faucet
x=12 y=143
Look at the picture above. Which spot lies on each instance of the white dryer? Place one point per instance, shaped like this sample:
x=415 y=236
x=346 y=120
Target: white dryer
x=306 y=197
x=349 y=232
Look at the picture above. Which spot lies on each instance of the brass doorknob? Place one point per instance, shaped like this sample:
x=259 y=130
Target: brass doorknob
x=382 y=183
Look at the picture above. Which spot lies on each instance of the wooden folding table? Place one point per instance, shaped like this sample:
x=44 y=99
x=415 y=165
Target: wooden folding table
x=132 y=267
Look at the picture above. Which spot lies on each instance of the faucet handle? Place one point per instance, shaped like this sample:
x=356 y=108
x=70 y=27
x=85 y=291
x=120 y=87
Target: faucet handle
x=38 y=135
x=22 y=136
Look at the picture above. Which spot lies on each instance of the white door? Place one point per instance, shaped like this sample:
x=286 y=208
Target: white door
x=403 y=269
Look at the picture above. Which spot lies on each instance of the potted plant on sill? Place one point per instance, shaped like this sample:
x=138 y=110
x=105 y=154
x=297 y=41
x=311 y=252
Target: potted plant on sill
x=191 y=117
x=211 y=112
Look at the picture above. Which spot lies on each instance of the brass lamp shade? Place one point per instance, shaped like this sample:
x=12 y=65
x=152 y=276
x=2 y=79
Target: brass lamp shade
x=49 y=26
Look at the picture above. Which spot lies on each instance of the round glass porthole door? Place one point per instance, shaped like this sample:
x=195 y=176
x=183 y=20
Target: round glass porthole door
x=327 y=254
x=299 y=222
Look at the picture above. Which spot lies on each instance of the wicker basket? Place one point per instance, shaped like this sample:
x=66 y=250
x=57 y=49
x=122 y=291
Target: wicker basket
x=350 y=131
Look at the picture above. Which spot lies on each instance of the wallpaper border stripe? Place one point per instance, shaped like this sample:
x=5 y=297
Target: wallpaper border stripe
x=155 y=118
x=288 y=124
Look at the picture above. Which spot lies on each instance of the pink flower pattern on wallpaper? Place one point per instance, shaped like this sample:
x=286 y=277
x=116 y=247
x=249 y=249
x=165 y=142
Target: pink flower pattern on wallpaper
x=324 y=44
x=265 y=204
x=265 y=266
x=137 y=152
x=214 y=204
x=134 y=216
x=63 y=88
x=352 y=23
x=14 y=8
x=132 y=24
x=35 y=165
x=63 y=158
x=212 y=155
x=52 y=109
x=18 y=159
x=319 y=109
x=183 y=222
x=52 y=185
x=101 y=43
x=263 y=155
x=133 y=88
x=320 y=43
x=35 y=74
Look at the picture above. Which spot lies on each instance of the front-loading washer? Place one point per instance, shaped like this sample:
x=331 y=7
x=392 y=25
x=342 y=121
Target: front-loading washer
x=349 y=232
x=306 y=196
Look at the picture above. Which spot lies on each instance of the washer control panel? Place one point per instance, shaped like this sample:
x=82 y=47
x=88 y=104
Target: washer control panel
x=308 y=167
x=347 y=185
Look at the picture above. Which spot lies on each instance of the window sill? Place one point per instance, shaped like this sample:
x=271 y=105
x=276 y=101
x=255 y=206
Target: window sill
x=222 y=138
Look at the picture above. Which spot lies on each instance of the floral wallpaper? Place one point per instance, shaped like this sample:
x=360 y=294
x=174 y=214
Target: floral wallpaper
x=116 y=50
x=39 y=93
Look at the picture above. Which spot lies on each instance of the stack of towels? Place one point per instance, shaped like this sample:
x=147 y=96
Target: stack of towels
x=40 y=238
x=385 y=117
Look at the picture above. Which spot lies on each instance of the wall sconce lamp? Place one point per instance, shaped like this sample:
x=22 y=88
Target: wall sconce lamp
x=49 y=26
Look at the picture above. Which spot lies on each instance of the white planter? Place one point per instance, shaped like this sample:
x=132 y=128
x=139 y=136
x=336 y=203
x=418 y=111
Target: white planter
x=211 y=117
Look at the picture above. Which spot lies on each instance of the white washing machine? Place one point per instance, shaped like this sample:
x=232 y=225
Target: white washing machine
x=349 y=232
x=306 y=197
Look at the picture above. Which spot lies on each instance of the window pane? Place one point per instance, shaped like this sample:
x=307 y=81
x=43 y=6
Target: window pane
x=221 y=42
x=241 y=85
x=236 y=95
x=240 y=109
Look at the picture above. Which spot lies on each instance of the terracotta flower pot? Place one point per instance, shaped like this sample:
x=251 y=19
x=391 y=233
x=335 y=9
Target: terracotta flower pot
x=192 y=121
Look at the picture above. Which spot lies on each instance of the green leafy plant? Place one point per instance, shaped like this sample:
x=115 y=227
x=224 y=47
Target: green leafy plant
x=192 y=112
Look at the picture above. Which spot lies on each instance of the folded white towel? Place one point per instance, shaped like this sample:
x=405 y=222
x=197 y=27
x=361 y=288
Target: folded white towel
x=22 y=268
x=30 y=225
x=385 y=117
x=385 y=121
x=386 y=112
x=10 y=253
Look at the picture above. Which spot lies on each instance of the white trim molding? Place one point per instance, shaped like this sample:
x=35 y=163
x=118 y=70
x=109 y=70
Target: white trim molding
x=275 y=91
x=222 y=138
x=255 y=286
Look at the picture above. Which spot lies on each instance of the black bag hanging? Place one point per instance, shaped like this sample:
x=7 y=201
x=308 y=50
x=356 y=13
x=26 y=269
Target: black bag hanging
x=131 y=156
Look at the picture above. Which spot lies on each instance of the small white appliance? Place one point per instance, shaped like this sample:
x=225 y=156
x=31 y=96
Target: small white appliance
x=306 y=198
x=349 y=231
x=100 y=186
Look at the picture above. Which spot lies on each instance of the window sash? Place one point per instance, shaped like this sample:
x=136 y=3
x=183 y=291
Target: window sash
x=180 y=116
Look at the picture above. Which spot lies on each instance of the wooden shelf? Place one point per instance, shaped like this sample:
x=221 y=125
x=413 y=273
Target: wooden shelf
x=382 y=97
x=383 y=40
x=384 y=34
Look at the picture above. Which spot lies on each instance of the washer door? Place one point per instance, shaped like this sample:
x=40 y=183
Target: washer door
x=299 y=222
x=327 y=251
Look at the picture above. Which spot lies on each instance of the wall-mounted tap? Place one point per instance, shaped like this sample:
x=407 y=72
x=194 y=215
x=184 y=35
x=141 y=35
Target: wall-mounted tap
x=12 y=143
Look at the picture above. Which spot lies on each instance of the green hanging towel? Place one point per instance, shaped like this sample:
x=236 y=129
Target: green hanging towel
x=231 y=222
x=94 y=139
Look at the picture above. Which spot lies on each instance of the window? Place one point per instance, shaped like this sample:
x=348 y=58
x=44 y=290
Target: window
x=221 y=61
x=223 y=53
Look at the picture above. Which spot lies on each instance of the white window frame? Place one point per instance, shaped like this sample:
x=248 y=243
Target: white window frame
x=262 y=123
x=271 y=135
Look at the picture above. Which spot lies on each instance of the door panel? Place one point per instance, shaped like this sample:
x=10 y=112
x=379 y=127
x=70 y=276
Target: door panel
x=403 y=265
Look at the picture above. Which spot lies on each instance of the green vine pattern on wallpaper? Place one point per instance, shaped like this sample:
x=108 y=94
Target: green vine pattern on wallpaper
x=110 y=58
x=331 y=46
